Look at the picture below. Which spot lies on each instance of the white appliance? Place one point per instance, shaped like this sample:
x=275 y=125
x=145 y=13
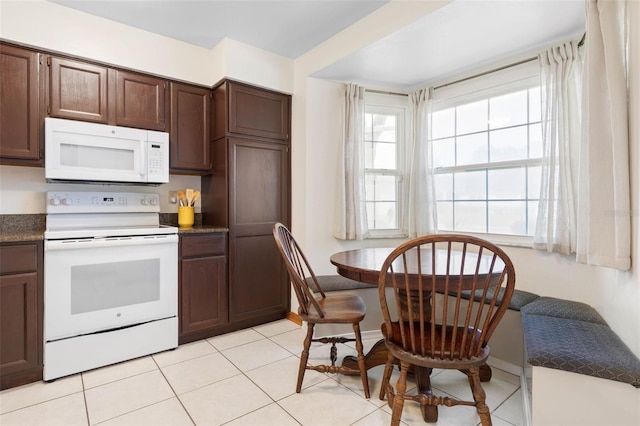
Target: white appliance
x=89 y=152
x=110 y=280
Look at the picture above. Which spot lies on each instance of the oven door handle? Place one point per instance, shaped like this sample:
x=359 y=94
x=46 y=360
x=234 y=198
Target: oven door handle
x=51 y=245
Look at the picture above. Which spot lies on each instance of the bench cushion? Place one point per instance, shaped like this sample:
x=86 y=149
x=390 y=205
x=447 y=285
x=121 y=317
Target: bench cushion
x=337 y=282
x=579 y=346
x=560 y=308
x=519 y=299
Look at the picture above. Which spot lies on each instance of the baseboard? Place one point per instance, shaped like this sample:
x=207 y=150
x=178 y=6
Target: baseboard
x=293 y=317
x=516 y=370
x=526 y=403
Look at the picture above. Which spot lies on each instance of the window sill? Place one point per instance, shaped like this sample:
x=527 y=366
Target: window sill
x=521 y=241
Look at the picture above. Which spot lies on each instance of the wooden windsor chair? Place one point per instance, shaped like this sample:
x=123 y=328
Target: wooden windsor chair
x=318 y=308
x=435 y=325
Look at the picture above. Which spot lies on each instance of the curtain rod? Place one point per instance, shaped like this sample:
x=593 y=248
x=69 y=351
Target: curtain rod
x=384 y=92
x=524 y=61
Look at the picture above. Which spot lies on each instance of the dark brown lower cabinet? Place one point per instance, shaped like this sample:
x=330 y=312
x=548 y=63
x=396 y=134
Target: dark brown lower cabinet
x=21 y=293
x=203 y=285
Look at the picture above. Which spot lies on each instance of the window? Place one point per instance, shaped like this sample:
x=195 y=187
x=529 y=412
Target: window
x=487 y=153
x=384 y=164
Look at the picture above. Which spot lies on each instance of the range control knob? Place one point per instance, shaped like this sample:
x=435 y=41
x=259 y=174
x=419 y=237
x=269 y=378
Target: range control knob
x=153 y=201
x=67 y=201
x=143 y=201
x=54 y=201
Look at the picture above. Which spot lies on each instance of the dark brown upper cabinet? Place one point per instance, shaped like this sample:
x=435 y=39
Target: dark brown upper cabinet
x=140 y=101
x=85 y=91
x=254 y=112
x=20 y=99
x=190 y=128
x=78 y=90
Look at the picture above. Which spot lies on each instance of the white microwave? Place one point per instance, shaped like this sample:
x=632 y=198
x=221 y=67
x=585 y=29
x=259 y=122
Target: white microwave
x=89 y=152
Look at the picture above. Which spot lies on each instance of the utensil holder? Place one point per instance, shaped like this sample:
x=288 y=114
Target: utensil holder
x=185 y=216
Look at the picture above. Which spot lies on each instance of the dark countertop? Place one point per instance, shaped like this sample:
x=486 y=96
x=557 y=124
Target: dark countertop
x=31 y=227
x=201 y=229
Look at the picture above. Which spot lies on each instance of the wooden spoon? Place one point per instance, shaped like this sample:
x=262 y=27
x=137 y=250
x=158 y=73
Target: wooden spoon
x=182 y=198
x=196 y=195
x=189 y=196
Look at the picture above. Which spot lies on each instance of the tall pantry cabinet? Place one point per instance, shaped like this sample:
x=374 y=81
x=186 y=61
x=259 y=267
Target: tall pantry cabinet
x=249 y=190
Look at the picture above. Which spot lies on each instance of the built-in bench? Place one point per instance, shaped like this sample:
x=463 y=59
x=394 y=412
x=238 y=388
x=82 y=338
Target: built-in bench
x=564 y=337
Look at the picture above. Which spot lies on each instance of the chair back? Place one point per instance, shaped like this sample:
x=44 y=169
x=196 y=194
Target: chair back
x=448 y=294
x=299 y=270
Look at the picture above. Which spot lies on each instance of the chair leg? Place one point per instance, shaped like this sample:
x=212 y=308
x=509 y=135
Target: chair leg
x=305 y=356
x=398 y=400
x=361 y=364
x=479 y=396
x=388 y=369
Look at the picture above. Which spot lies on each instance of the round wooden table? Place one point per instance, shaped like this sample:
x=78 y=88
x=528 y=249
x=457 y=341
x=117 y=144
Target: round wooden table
x=364 y=265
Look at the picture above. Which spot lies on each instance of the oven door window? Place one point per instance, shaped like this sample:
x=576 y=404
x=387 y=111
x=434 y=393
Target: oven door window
x=97 y=285
x=114 y=285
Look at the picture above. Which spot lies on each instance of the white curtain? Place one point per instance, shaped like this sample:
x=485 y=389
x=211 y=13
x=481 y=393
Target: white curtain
x=350 y=222
x=604 y=222
x=419 y=192
x=560 y=85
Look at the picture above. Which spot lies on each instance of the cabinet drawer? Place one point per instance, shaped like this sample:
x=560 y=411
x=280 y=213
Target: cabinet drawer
x=203 y=245
x=18 y=258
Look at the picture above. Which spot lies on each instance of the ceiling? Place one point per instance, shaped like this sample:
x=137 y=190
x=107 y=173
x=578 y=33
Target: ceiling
x=458 y=37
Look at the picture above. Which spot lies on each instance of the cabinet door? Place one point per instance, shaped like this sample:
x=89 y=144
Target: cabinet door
x=258 y=198
x=19 y=97
x=19 y=323
x=258 y=112
x=140 y=101
x=190 y=127
x=203 y=294
x=78 y=90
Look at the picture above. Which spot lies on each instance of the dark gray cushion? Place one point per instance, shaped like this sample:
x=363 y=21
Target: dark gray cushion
x=560 y=308
x=337 y=282
x=518 y=300
x=580 y=347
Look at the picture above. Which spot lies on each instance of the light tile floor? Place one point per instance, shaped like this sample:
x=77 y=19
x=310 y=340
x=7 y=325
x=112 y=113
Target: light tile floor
x=242 y=378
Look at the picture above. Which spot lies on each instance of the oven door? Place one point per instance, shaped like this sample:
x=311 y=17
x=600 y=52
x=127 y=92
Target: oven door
x=93 y=285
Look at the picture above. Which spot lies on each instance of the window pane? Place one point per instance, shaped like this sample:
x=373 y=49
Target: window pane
x=507 y=184
x=368 y=127
x=507 y=217
x=384 y=188
x=384 y=127
x=470 y=185
x=444 y=152
x=368 y=155
x=533 y=182
x=535 y=108
x=532 y=207
x=470 y=216
x=444 y=186
x=472 y=117
x=472 y=149
x=535 y=141
x=508 y=110
x=445 y=215
x=443 y=123
x=508 y=144
x=381 y=215
x=384 y=155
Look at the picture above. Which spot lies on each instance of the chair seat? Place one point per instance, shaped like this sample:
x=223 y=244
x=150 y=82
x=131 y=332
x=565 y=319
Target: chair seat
x=440 y=352
x=339 y=309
